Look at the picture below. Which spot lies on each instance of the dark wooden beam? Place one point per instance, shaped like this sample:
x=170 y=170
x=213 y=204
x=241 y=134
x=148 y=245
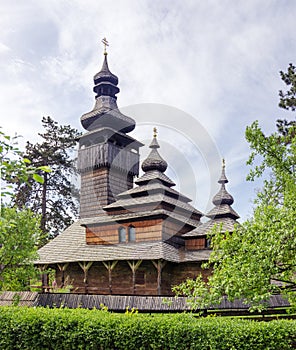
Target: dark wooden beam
x=110 y=265
x=62 y=268
x=134 y=265
x=159 y=265
x=85 y=267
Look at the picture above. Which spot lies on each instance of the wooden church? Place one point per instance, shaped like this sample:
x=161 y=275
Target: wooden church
x=134 y=236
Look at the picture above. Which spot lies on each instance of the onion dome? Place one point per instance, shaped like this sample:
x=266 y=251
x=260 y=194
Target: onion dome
x=105 y=81
x=222 y=215
x=223 y=197
x=154 y=167
x=105 y=112
x=222 y=200
x=154 y=161
x=105 y=75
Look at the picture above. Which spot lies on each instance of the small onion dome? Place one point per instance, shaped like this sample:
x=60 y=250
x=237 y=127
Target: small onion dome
x=222 y=197
x=104 y=75
x=154 y=161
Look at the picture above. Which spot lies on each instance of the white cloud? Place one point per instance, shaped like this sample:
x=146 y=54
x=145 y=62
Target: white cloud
x=216 y=60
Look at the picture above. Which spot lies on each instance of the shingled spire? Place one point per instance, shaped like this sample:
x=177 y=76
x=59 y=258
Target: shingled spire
x=108 y=159
x=222 y=200
x=221 y=215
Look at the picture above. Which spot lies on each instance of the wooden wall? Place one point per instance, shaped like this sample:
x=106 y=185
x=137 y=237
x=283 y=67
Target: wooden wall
x=98 y=188
x=144 y=282
x=146 y=230
x=195 y=243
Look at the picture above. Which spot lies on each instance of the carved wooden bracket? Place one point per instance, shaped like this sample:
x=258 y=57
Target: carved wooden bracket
x=110 y=265
x=159 y=265
x=85 y=267
x=134 y=267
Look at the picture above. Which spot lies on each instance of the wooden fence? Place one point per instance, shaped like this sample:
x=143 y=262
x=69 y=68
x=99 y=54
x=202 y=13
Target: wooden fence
x=120 y=303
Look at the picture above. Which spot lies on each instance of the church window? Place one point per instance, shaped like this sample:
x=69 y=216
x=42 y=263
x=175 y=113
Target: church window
x=122 y=234
x=131 y=234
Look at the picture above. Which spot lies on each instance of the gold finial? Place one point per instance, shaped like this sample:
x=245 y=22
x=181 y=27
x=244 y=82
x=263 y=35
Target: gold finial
x=105 y=43
x=223 y=163
x=154 y=132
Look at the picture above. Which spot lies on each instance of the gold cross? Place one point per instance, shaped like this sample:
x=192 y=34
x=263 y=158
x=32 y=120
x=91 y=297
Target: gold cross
x=154 y=132
x=105 y=43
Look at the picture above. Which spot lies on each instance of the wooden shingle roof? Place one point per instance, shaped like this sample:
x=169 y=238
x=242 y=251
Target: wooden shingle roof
x=227 y=224
x=133 y=216
x=153 y=199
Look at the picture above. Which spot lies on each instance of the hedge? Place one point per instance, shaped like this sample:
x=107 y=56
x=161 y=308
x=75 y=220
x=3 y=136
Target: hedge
x=43 y=328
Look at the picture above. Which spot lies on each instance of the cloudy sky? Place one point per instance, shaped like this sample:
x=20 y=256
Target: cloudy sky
x=199 y=70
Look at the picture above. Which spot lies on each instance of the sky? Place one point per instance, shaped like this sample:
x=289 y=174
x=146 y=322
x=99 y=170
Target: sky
x=200 y=71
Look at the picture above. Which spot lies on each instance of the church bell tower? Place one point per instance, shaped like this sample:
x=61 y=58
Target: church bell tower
x=108 y=158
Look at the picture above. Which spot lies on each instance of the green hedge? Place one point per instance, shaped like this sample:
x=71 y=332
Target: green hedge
x=41 y=328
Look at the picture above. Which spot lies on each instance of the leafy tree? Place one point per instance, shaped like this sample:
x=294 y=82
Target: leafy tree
x=19 y=229
x=56 y=198
x=13 y=167
x=19 y=237
x=259 y=258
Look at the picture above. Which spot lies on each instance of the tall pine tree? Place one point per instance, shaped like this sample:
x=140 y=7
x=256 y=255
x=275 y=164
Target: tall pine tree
x=56 y=199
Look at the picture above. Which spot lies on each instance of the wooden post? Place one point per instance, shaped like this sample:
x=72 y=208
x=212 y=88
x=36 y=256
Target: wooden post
x=44 y=279
x=159 y=265
x=134 y=266
x=85 y=267
x=62 y=268
x=110 y=266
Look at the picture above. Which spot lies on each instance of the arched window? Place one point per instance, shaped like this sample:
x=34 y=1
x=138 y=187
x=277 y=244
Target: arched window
x=131 y=234
x=122 y=234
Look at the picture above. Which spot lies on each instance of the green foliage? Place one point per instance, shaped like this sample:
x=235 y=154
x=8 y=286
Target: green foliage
x=258 y=259
x=13 y=167
x=56 y=198
x=38 y=328
x=198 y=292
x=288 y=98
x=278 y=154
x=19 y=229
x=19 y=237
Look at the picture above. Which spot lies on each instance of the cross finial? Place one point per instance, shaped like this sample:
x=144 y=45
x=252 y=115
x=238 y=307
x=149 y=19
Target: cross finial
x=223 y=162
x=154 y=132
x=105 y=43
